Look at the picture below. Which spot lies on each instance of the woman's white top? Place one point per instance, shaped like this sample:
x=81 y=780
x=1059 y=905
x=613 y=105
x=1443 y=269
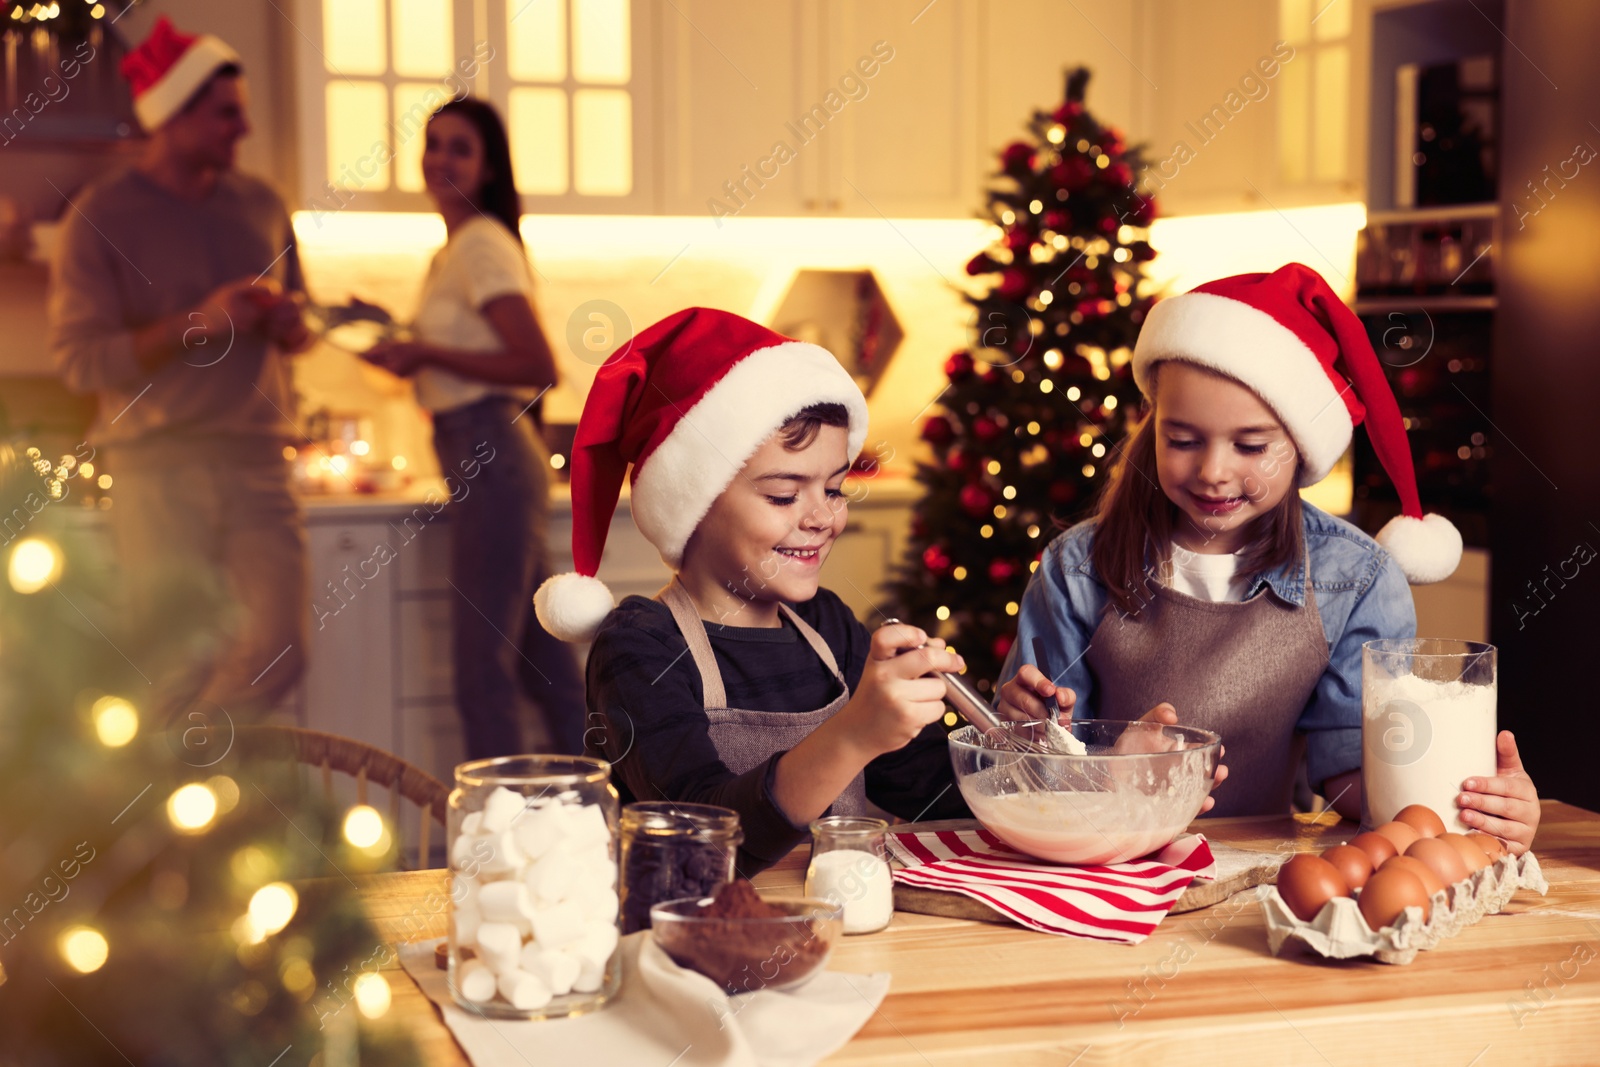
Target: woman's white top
x=480 y=262
x=1207 y=577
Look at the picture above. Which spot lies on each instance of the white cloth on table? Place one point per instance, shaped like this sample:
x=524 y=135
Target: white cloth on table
x=664 y=1014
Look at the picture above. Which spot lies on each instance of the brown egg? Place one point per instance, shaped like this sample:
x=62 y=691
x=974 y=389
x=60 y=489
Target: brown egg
x=1471 y=854
x=1429 y=878
x=1402 y=835
x=1308 y=882
x=1377 y=847
x=1442 y=857
x=1352 y=863
x=1492 y=846
x=1422 y=820
x=1389 y=892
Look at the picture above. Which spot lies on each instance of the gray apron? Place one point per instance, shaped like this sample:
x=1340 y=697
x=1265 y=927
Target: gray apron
x=1243 y=669
x=743 y=738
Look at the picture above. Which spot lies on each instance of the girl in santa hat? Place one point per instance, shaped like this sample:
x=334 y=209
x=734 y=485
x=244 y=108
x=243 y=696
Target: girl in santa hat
x=1205 y=587
x=743 y=683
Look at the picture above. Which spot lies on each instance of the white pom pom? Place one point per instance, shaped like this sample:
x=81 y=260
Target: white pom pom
x=1427 y=549
x=572 y=606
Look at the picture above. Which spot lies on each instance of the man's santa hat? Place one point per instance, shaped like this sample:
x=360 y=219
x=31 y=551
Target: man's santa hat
x=687 y=403
x=168 y=68
x=1292 y=341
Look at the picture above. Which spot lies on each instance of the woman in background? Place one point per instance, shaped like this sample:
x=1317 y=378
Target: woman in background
x=481 y=361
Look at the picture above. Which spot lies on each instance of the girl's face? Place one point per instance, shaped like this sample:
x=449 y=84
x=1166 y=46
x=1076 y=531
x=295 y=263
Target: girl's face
x=1222 y=456
x=453 y=167
x=767 y=535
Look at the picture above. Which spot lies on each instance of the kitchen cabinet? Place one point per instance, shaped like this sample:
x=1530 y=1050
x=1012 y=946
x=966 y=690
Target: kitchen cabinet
x=1253 y=106
x=793 y=108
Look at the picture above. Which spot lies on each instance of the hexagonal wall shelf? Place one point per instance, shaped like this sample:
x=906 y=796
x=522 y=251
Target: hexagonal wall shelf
x=845 y=312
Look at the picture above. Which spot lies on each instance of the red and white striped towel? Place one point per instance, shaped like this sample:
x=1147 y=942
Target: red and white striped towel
x=1116 y=902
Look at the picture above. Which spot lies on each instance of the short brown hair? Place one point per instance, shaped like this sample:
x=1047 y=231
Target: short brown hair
x=1135 y=522
x=800 y=430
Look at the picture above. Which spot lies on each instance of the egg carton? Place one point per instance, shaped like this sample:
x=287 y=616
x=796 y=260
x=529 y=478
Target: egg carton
x=1341 y=932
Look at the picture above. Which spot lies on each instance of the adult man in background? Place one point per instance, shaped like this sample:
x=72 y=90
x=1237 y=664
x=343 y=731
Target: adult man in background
x=174 y=299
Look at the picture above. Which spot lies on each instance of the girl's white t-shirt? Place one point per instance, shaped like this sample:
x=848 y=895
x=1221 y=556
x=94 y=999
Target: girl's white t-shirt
x=1213 y=577
x=480 y=262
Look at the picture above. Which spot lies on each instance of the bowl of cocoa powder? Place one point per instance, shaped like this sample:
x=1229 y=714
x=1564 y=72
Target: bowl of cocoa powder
x=745 y=943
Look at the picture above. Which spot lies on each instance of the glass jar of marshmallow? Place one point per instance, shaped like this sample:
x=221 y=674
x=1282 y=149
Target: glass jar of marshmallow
x=533 y=889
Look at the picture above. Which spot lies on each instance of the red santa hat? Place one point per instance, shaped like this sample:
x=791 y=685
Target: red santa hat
x=168 y=68
x=1290 y=339
x=687 y=403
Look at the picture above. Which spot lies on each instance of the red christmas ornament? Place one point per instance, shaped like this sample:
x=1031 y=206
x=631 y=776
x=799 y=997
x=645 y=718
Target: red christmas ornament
x=959 y=366
x=937 y=560
x=975 y=500
x=1001 y=571
x=1067 y=112
x=1016 y=157
x=1019 y=239
x=1109 y=224
x=1055 y=219
x=981 y=264
x=1119 y=174
x=1014 y=283
x=1002 y=646
x=1143 y=214
x=936 y=429
x=1112 y=140
x=958 y=460
x=1142 y=252
x=985 y=429
x=1073 y=173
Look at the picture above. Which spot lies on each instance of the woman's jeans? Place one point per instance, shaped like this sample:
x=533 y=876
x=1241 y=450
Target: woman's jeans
x=496 y=470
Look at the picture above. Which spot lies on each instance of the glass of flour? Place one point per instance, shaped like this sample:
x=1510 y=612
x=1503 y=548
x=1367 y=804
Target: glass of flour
x=1427 y=723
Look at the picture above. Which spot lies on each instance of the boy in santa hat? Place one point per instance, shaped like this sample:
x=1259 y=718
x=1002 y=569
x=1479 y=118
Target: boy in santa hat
x=744 y=683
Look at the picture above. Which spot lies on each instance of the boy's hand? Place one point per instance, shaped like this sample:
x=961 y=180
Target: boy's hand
x=1023 y=698
x=898 y=695
x=1506 y=805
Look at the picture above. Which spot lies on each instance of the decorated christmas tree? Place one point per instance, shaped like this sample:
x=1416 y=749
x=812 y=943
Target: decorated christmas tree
x=1036 y=409
x=164 y=897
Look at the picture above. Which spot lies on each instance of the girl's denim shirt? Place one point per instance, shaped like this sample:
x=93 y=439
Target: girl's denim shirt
x=1361 y=595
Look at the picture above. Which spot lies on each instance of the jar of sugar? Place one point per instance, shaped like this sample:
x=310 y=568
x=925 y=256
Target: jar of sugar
x=1428 y=722
x=850 y=866
x=533 y=886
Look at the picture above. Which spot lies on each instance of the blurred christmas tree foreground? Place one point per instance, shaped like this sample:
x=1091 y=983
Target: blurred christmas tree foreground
x=1036 y=409
x=153 y=908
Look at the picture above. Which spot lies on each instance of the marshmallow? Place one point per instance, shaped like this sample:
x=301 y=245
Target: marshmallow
x=600 y=907
x=502 y=856
x=472 y=822
x=469 y=850
x=525 y=991
x=587 y=826
x=501 y=807
x=537 y=831
x=558 y=925
x=500 y=946
x=596 y=944
x=505 y=902
x=557 y=968
x=550 y=880
x=465 y=924
x=463 y=891
x=475 y=981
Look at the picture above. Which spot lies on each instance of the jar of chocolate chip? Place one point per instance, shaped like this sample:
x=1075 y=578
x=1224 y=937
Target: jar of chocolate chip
x=670 y=851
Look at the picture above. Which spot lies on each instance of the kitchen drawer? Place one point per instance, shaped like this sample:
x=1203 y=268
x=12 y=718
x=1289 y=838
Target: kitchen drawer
x=424 y=670
x=422 y=544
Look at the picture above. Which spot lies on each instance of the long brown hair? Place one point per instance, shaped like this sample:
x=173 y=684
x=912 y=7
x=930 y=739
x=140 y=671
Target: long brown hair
x=1135 y=520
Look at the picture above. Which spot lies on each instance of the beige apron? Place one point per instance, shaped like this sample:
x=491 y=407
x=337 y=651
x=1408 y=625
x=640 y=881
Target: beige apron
x=1243 y=669
x=744 y=738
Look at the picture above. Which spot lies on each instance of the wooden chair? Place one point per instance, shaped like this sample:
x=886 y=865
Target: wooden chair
x=361 y=761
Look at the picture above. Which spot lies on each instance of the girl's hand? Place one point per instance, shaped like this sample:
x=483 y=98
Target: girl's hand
x=898 y=694
x=400 y=358
x=1506 y=805
x=1153 y=741
x=1023 y=698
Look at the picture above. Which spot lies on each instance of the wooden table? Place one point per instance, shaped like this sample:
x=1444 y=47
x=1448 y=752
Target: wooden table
x=1522 y=987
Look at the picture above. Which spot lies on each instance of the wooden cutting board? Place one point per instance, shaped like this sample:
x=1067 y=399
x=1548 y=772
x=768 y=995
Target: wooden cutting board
x=1237 y=870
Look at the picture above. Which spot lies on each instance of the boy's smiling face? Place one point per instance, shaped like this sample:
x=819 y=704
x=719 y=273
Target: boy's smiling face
x=767 y=535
